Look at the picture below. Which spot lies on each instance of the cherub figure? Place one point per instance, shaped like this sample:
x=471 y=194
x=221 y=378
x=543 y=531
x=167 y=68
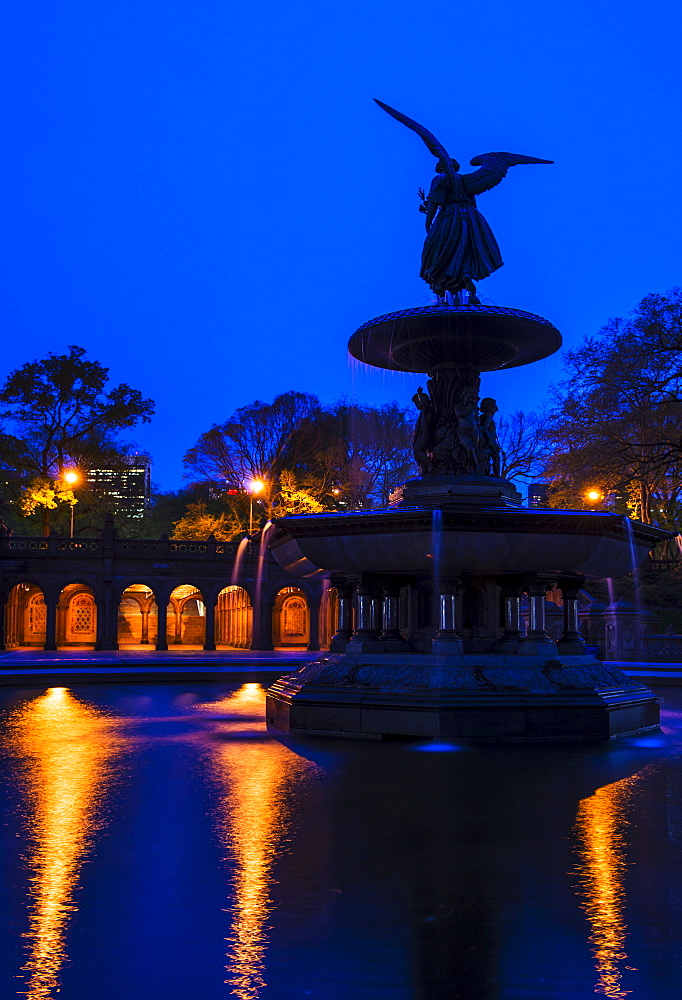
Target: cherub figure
x=424 y=431
x=468 y=431
x=490 y=446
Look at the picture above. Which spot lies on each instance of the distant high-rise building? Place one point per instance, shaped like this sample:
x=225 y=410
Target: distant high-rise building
x=127 y=489
x=538 y=494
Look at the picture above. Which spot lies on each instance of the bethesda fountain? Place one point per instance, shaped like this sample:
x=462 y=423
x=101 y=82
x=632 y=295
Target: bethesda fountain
x=455 y=554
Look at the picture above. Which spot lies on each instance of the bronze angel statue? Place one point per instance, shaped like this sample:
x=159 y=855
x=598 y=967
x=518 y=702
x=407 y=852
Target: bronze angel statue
x=460 y=247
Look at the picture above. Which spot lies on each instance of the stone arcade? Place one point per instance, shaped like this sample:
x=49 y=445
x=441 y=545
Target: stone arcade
x=110 y=593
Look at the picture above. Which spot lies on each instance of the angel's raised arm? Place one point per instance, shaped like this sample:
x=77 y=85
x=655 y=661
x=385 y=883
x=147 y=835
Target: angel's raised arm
x=493 y=167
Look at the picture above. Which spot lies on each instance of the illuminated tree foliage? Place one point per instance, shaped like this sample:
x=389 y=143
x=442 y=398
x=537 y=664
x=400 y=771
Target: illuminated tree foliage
x=293 y=500
x=229 y=518
x=45 y=493
x=617 y=421
x=58 y=411
x=198 y=524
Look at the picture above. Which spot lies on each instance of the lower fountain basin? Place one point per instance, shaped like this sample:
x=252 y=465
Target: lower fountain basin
x=472 y=539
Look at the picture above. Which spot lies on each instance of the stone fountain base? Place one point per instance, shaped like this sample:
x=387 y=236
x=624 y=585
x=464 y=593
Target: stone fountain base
x=470 y=697
x=462 y=552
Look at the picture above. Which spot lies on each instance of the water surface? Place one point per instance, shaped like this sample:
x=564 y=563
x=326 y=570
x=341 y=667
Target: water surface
x=157 y=841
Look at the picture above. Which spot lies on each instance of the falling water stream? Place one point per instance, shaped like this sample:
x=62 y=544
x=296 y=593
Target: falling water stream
x=634 y=559
x=436 y=547
x=239 y=559
x=262 y=550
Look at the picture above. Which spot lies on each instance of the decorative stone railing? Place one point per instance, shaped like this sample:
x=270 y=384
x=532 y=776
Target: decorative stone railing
x=663 y=648
x=125 y=548
x=664 y=565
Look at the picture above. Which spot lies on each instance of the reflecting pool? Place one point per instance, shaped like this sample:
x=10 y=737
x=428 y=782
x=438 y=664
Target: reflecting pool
x=157 y=841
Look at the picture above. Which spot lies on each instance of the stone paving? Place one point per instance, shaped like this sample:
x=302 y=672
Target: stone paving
x=137 y=664
x=87 y=665
x=660 y=674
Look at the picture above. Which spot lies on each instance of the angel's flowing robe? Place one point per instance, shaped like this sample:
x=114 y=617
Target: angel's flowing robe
x=460 y=242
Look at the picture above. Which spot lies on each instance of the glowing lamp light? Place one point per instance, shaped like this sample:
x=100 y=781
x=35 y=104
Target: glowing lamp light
x=593 y=495
x=71 y=476
x=255 y=487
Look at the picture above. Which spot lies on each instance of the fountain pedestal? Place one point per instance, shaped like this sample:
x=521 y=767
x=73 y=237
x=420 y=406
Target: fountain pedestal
x=483 y=678
x=477 y=699
x=458 y=543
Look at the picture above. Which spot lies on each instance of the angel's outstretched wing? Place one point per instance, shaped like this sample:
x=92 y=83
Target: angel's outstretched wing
x=493 y=166
x=433 y=144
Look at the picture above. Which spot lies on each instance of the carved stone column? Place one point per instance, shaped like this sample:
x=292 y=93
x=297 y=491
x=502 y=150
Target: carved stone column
x=512 y=590
x=50 y=620
x=391 y=636
x=162 y=622
x=314 y=629
x=262 y=622
x=571 y=642
x=3 y=602
x=447 y=640
x=365 y=638
x=177 y=639
x=209 y=634
x=144 y=626
x=377 y=613
x=107 y=620
x=537 y=642
x=344 y=631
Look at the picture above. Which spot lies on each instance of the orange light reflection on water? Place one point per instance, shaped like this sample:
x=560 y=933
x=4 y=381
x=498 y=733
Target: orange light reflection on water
x=67 y=749
x=600 y=824
x=256 y=777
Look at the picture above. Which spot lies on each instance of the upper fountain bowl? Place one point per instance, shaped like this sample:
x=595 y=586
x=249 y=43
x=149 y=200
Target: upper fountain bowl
x=485 y=338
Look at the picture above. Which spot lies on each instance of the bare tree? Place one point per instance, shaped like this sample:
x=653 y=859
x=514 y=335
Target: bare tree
x=374 y=451
x=524 y=445
x=345 y=455
x=259 y=441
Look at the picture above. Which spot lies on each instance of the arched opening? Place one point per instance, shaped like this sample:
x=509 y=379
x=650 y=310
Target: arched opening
x=137 y=616
x=234 y=618
x=25 y=617
x=291 y=619
x=76 y=616
x=186 y=621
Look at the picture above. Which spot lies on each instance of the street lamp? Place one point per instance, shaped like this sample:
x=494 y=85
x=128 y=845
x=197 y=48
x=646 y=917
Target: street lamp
x=594 y=496
x=255 y=487
x=71 y=477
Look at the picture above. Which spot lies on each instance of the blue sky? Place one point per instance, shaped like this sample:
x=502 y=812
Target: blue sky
x=206 y=198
